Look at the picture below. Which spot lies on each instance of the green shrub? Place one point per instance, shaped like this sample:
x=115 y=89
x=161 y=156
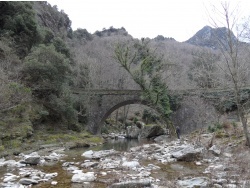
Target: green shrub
x=221 y=134
x=104 y=129
x=215 y=127
x=94 y=139
x=149 y=117
x=2 y=148
x=61 y=47
x=75 y=127
x=135 y=119
x=226 y=125
x=12 y=144
x=234 y=124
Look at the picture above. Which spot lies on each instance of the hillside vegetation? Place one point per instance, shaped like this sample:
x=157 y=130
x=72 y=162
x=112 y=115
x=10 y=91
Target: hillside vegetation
x=42 y=59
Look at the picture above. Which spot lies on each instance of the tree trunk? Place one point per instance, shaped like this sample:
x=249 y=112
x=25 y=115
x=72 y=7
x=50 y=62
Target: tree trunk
x=116 y=116
x=125 y=114
x=245 y=126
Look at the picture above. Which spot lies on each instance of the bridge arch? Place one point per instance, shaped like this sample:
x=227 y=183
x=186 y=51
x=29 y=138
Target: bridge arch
x=102 y=103
x=121 y=104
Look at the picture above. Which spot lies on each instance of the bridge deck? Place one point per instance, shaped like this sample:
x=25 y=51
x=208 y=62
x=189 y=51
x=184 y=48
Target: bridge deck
x=107 y=92
x=136 y=92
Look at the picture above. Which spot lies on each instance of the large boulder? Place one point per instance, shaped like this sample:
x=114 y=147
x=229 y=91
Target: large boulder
x=162 y=138
x=83 y=177
x=215 y=150
x=187 y=153
x=132 y=132
x=151 y=131
x=99 y=154
x=130 y=164
x=194 y=182
x=10 y=178
x=140 y=124
x=31 y=159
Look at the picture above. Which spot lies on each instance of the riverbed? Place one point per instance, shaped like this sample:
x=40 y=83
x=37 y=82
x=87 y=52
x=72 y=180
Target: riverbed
x=117 y=162
x=74 y=155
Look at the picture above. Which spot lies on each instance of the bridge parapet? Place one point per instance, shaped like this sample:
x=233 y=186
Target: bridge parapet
x=107 y=92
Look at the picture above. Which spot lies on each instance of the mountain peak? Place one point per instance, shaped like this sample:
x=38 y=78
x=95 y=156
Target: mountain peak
x=209 y=37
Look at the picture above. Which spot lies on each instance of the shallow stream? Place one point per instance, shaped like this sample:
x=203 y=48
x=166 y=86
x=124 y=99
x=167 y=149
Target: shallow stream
x=74 y=155
x=168 y=172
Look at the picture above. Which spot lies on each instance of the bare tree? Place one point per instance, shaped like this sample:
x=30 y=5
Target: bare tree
x=203 y=69
x=234 y=68
x=97 y=56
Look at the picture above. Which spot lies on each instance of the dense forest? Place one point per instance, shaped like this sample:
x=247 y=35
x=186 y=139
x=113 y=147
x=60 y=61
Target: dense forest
x=42 y=59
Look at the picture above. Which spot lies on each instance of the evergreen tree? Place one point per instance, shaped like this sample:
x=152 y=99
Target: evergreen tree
x=17 y=20
x=144 y=65
x=47 y=73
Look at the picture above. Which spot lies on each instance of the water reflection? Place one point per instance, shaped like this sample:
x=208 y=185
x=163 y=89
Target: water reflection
x=116 y=144
x=123 y=144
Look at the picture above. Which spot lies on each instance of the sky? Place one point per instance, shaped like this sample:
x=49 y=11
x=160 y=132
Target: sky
x=179 y=19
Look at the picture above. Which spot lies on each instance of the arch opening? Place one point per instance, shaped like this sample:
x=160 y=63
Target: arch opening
x=125 y=103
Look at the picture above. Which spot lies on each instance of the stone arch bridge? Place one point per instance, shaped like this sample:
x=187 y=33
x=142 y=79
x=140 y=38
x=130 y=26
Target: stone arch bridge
x=103 y=102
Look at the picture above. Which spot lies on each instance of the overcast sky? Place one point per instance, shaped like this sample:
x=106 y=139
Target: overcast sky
x=179 y=19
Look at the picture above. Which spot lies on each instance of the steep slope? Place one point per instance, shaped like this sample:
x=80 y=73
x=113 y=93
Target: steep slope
x=210 y=37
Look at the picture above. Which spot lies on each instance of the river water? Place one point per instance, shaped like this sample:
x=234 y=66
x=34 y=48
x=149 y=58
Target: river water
x=74 y=155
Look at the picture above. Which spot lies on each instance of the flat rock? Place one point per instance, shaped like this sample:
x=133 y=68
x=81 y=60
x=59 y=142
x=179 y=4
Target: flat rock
x=27 y=181
x=98 y=154
x=139 y=183
x=89 y=164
